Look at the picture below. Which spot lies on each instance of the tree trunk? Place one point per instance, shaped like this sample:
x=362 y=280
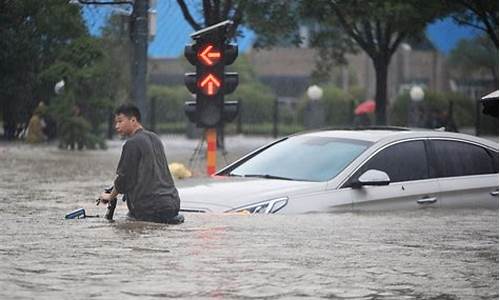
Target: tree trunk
x=9 y=123
x=381 y=70
x=494 y=73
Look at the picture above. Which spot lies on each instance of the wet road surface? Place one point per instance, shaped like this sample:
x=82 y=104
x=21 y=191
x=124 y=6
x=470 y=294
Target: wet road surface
x=424 y=254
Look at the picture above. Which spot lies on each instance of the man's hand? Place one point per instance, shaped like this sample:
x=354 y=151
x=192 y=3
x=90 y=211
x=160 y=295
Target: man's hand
x=105 y=197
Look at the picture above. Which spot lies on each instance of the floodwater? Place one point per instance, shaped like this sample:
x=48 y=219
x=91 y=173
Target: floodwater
x=424 y=254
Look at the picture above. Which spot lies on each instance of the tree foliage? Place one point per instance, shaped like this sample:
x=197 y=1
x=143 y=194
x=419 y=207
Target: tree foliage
x=433 y=110
x=273 y=21
x=86 y=98
x=479 y=14
x=43 y=42
x=168 y=102
x=115 y=42
x=376 y=26
x=33 y=33
x=473 y=56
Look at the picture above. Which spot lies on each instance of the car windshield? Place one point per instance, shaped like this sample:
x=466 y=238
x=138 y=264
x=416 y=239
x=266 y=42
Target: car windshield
x=306 y=158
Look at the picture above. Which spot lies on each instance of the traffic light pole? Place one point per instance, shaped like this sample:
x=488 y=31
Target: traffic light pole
x=210 y=52
x=211 y=135
x=140 y=56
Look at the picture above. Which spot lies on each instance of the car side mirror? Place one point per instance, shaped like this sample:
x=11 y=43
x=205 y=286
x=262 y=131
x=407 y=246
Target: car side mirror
x=372 y=177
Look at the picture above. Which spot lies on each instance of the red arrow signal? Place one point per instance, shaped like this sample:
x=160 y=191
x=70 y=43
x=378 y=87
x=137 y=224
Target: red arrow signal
x=209 y=55
x=209 y=84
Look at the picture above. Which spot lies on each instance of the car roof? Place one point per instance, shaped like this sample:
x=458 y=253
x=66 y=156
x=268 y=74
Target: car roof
x=375 y=135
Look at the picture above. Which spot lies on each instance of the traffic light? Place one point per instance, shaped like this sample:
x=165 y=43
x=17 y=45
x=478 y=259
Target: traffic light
x=210 y=53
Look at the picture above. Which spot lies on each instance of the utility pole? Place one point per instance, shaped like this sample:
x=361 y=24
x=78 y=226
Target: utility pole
x=139 y=37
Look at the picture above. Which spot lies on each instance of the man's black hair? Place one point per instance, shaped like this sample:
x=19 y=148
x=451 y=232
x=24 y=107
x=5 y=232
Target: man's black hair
x=129 y=110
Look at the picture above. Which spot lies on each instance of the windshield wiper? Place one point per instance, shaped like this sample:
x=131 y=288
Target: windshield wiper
x=267 y=176
x=233 y=175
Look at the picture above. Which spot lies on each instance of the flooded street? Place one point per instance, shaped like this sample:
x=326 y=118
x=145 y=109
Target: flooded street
x=424 y=254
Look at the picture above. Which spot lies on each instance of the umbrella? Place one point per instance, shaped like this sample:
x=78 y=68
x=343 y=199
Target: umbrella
x=365 y=107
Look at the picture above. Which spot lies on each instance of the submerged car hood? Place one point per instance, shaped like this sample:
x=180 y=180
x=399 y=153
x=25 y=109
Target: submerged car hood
x=222 y=193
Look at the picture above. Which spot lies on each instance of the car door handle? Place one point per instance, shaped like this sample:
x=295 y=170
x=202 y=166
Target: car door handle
x=494 y=193
x=427 y=200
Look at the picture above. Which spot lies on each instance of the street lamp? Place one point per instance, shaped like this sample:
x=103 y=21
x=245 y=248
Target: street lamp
x=314 y=93
x=315 y=114
x=59 y=87
x=416 y=95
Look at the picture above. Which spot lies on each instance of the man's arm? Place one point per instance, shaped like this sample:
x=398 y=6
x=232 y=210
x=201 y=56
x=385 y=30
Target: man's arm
x=125 y=172
x=127 y=168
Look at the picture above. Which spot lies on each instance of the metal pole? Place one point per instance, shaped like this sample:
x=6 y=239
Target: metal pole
x=211 y=136
x=478 y=118
x=140 y=60
x=275 y=118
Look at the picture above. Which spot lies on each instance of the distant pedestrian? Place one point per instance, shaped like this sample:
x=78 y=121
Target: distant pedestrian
x=142 y=174
x=36 y=126
x=362 y=120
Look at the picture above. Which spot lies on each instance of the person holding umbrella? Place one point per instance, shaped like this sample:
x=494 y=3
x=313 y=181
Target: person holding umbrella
x=361 y=113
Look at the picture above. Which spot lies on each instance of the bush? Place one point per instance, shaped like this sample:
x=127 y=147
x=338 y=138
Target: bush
x=169 y=103
x=74 y=129
x=338 y=105
x=256 y=102
x=265 y=128
x=171 y=127
x=256 y=105
x=433 y=110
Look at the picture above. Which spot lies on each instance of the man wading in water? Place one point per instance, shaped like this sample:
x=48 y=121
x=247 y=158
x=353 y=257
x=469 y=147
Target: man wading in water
x=142 y=173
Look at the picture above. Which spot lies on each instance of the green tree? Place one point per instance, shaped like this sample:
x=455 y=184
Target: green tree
x=378 y=27
x=32 y=35
x=479 y=14
x=117 y=49
x=273 y=21
x=338 y=105
x=434 y=110
x=169 y=102
x=473 y=56
x=256 y=102
x=86 y=98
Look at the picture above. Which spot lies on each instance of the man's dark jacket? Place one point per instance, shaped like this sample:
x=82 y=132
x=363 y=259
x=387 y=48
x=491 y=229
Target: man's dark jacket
x=144 y=178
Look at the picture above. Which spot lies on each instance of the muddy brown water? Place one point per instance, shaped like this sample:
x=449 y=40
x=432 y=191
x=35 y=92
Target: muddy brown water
x=425 y=254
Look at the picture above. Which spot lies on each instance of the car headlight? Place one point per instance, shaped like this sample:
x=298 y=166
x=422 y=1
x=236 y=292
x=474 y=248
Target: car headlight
x=265 y=207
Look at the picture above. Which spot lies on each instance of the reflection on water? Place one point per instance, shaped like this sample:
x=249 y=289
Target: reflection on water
x=413 y=255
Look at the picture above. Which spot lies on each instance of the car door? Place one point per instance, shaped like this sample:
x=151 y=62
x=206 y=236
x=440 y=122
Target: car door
x=467 y=173
x=411 y=187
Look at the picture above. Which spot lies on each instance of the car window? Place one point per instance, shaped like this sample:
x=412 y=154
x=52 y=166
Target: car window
x=402 y=162
x=309 y=158
x=455 y=158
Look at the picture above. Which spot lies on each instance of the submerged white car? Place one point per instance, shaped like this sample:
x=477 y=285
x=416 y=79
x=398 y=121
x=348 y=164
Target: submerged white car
x=345 y=170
